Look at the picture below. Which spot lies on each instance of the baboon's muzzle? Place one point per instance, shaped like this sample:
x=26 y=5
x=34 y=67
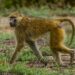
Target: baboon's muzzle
x=13 y=22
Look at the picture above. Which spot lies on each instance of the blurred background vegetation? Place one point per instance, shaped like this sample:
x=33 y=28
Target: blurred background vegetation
x=27 y=6
x=27 y=3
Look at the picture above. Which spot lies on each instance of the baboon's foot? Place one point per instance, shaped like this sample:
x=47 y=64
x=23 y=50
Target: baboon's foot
x=71 y=58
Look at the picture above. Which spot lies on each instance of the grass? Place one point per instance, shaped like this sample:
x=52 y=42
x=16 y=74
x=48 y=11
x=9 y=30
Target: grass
x=25 y=56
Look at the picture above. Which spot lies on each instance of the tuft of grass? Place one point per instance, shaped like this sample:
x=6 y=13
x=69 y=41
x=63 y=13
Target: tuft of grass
x=20 y=68
x=27 y=56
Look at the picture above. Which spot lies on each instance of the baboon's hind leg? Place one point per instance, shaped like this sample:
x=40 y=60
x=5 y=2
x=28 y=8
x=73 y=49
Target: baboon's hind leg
x=64 y=49
x=57 y=58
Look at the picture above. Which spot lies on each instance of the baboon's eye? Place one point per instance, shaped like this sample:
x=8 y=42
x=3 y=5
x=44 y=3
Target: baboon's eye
x=12 y=17
x=13 y=21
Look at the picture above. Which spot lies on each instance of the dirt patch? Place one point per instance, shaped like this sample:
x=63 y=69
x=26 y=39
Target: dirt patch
x=51 y=64
x=8 y=42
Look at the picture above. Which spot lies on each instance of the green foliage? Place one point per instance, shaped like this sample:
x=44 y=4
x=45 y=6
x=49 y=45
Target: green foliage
x=4 y=67
x=20 y=68
x=28 y=3
x=43 y=11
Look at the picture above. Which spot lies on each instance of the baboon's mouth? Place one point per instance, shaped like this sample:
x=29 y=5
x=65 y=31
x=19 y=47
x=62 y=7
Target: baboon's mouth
x=12 y=24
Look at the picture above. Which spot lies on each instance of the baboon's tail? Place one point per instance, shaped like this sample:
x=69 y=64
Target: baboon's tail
x=73 y=28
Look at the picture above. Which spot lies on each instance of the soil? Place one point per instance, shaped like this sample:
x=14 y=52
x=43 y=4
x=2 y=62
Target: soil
x=65 y=59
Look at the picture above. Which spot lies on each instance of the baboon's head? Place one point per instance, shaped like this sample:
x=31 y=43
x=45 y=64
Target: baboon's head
x=14 y=18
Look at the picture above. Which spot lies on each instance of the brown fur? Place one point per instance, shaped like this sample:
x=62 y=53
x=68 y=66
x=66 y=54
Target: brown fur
x=28 y=29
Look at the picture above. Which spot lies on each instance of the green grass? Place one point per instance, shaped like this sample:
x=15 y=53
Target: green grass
x=24 y=57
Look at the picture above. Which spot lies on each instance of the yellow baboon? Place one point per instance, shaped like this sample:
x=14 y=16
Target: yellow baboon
x=28 y=29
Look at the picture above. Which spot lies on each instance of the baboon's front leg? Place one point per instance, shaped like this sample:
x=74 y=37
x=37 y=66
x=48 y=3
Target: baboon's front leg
x=35 y=48
x=18 y=48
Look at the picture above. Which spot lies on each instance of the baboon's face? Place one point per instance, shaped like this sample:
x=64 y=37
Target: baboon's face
x=14 y=18
x=13 y=21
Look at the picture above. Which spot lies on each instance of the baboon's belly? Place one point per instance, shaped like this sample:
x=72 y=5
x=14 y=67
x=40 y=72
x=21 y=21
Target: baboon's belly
x=36 y=32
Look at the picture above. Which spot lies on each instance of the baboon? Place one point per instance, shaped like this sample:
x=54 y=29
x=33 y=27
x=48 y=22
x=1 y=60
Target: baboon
x=28 y=29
